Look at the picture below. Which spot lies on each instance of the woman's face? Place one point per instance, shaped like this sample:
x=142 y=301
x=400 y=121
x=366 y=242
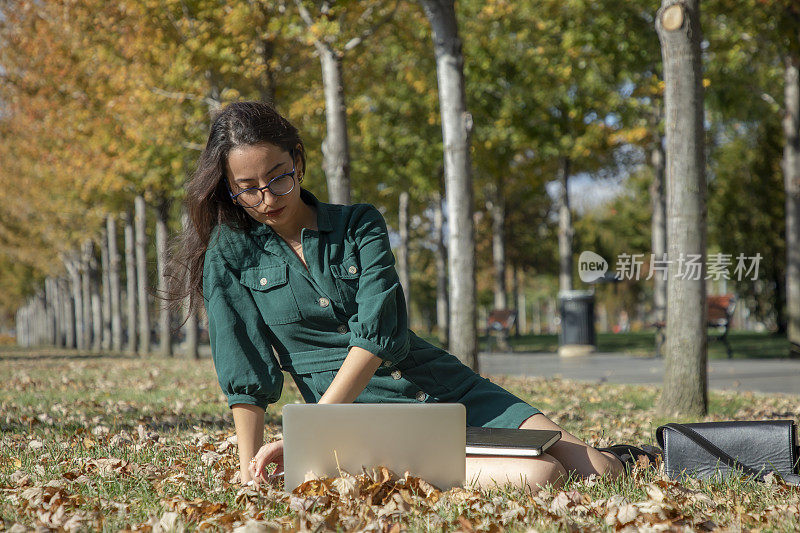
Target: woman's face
x=254 y=166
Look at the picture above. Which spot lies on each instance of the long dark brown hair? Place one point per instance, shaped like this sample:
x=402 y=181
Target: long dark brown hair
x=207 y=202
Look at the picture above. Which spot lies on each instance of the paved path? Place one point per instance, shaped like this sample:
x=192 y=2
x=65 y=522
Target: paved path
x=761 y=375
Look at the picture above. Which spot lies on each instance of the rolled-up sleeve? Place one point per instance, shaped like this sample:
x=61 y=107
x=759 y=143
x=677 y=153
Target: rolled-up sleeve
x=380 y=325
x=246 y=369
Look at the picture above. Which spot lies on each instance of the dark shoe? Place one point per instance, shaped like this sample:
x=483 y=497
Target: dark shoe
x=629 y=455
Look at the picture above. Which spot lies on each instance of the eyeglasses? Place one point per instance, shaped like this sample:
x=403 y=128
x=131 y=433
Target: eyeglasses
x=254 y=196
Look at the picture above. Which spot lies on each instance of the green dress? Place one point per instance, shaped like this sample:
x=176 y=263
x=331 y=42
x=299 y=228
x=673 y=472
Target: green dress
x=259 y=296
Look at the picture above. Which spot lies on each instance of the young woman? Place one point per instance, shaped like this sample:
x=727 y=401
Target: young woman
x=316 y=282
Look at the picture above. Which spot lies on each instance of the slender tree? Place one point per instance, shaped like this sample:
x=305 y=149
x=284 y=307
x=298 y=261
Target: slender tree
x=130 y=281
x=164 y=331
x=402 y=249
x=685 y=374
x=791 y=170
x=105 y=294
x=440 y=253
x=495 y=205
x=86 y=292
x=140 y=242
x=659 y=237
x=115 y=289
x=328 y=32
x=72 y=265
x=456 y=127
x=68 y=313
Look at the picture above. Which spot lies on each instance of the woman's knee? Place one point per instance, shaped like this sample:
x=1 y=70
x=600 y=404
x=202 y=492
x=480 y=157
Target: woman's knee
x=545 y=470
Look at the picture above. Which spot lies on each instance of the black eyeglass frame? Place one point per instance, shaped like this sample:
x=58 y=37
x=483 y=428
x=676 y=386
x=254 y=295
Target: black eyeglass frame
x=265 y=187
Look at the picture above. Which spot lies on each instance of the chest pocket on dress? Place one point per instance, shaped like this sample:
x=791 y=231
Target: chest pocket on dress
x=272 y=293
x=347 y=275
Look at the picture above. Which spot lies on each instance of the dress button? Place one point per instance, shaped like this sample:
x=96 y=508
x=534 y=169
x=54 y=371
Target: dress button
x=352 y=269
x=262 y=281
x=324 y=302
x=421 y=396
x=397 y=374
x=342 y=329
x=387 y=363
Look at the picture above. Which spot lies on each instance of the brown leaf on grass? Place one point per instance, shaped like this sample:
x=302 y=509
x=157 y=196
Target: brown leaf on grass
x=465 y=524
x=100 y=431
x=197 y=510
x=210 y=458
x=654 y=492
x=107 y=466
x=627 y=514
x=512 y=514
x=305 y=504
x=170 y=522
x=394 y=528
x=566 y=500
x=257 y=526
x=380 y=474
x=20 y=479
x=347 y=486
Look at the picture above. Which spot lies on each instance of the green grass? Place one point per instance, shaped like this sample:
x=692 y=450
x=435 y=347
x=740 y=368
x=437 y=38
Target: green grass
x=744 y=344
x=65 y=418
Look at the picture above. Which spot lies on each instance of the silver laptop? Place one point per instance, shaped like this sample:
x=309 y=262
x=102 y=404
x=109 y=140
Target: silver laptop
x=427 y=440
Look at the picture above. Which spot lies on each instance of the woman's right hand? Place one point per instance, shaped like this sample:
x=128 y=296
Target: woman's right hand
x=268 y=453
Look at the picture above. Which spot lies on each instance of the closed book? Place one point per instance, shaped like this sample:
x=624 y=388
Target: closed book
x=512 y=442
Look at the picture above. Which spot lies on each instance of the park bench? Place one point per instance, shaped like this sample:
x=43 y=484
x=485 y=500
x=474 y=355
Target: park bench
x=720 y=313
x=498 y=325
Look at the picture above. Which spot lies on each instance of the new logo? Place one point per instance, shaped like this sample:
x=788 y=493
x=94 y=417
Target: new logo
x=591 y=267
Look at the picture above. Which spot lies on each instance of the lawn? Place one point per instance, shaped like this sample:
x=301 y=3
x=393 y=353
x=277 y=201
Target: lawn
x=745 y=344
x=113 y=442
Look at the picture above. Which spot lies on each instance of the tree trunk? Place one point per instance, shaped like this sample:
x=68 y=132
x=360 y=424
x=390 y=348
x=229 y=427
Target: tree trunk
x=496 y=210
x=105 y=295
x=114 y=284
x=164 y=333
x=440 y=251
x=95 y=302
x=192 y=334
x=68 y=313
x=51 y=312
x=565 y=230
x=335 y=147
x=269 y=86
x=519 y=300
x=191 y=325
x=791 y=171
x=456 y=126
x=140 y=225
x=130 y=282
x=402 y=250
x=86 y=293
x=685 y=370
x=73 y=270
x=25 y=329
x=659 y=239
x=97 y=310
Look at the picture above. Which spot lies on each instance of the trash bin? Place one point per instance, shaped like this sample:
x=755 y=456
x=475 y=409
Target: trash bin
x=577 y=335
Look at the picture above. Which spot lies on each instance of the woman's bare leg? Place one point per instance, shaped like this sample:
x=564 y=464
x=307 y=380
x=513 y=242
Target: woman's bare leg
x=574 y=454
x=532 y=473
